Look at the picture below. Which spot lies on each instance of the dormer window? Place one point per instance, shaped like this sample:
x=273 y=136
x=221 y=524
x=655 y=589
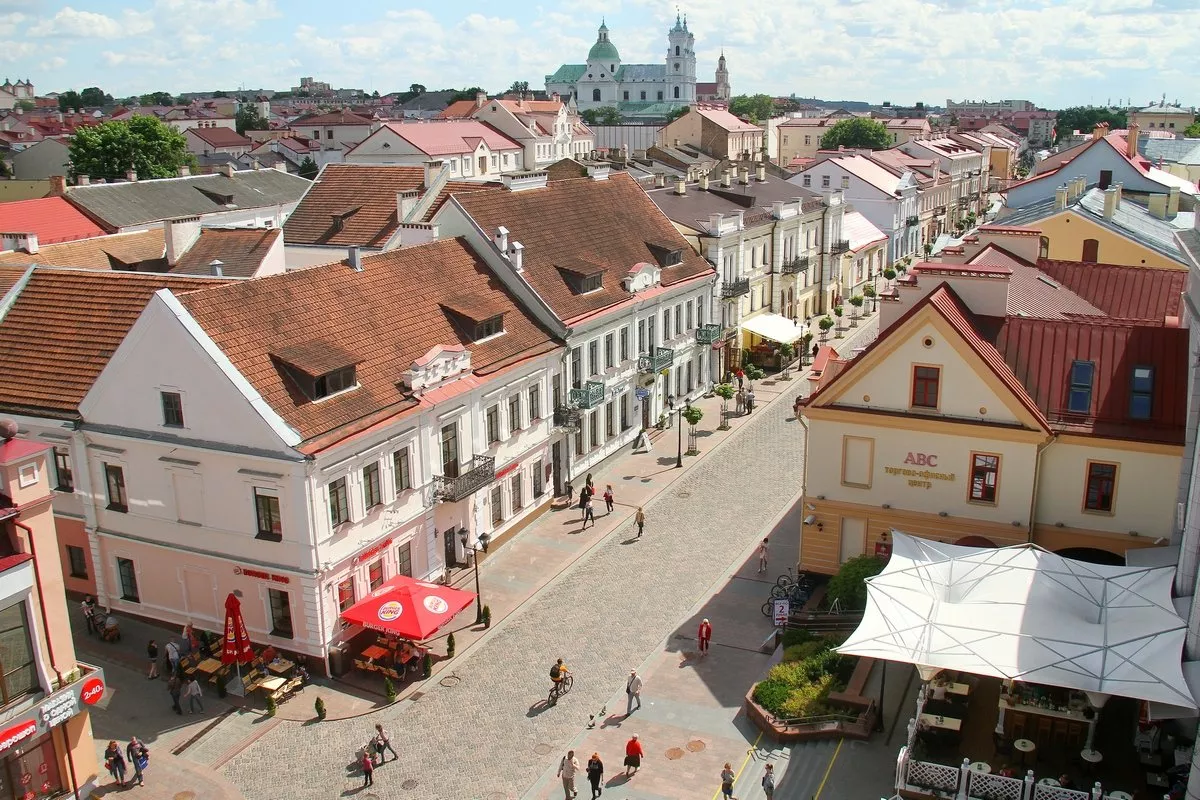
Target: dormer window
x=319 y=369
x=489 y=327
x=1079 y=395
x=333 y=382
x=665 y=254
x=1141 y=400
x=590 y=283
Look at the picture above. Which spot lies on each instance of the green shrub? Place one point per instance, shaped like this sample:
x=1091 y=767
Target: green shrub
x=389 y=689
x=426 y=666
x=808 y=700
x=793 y=673
x=725 y=391
x=271 y=705
x=319 y=707
x=821 y=664
x=771 y=694
x=794 y=637
x=693 y=415
x=849 y=584
x=754 y=373
x=450 y=646
x=803 y=651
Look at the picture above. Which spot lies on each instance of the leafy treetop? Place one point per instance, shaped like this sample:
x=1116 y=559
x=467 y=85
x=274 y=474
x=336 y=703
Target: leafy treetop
x=145 y=145
x=1084 y=120
x=755 y=107
x=308 y=168
x=248 y=119
x=857 y=132
x=605 y=115
x=1192 y=131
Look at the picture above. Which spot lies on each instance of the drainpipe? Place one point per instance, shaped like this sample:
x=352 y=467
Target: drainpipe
x=320 y=572
x=803 y=492
x=1037 y=475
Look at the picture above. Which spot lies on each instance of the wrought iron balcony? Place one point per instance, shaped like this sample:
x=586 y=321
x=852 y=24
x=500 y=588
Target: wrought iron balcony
x=659 y=359
x=590 y=396
x=481 y=472
x=707 y=334
x=735 y=288
x=840 y=246
x=567 y=418
x=912 y=221
x=794 y=266
x=963 y=202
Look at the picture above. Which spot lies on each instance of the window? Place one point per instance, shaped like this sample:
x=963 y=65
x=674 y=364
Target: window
x=699 y=311
x=539 y=478
x=641 y=336
x=339 y=505
x=676 y=52
x=375 y=574
x=594 y=357
x=535 y=403
x=689 y=314
x=1091 y=251
x=450 y=450
x=660 y=96
x=591 y=283
x=372 y=494
x=492 y=423
x=808 y=140
x=649 y=333
x=172 y=408
x=625 y=411
x=329 y=134
x=266 y=514
x=497 y=505
x=610 y=427
x=345 y=593
x=401 y=471
x=514 y=413
x=1101 y=487
x=825 y=181
x=316 y=135
x=17 y=659
x=1142 y=399
x=679 y=319
x=489 y=327
x=1105 y=178
x=609 y=351
x=985 y=468
x=1079 y=396
x=1044 y=247
x=404 y=559
x=77 y=561
x=643 y=95
x=577 y=368
x=64 y=477
x=333 y=382
x=281 y=613
x=579 y=442
x=845 y=181
x=625 y=96
x=666 y=323
x=515 y=492
x=114 y=480
x=127 y=575
x=925 y=386
x=593 y=429
x=596 y=95
x=624 y=345
x=676 y=88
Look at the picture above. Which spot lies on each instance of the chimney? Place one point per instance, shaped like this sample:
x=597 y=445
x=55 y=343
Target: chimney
x=405 y=203
x=680 y=186
x=660 y=180
x=1131 y=142
x=216 y=267
x=480 y=99
x=727 y=178
x=58 y=185
x=1173 y=201
x=131 y=176
x=516 y=255
x=501 y=240
x=744 y=175
x=356 y=259
x=31 y=243
x=704 y=182
x=1112 y=198
x=760 y=172
x=179 y=234
x=1157 y=205
x=433 y=168
x=676 y=143
x=1099 y=130
x=185 y=171
x=1060 y=197
x=226 y=170
x=82 y=180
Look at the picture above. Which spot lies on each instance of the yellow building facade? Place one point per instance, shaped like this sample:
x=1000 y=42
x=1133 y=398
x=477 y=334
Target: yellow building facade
x=1070 y=236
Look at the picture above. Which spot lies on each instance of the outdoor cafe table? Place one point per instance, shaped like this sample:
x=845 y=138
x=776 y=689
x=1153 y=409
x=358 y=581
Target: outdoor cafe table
x=280 y=666
x=1049 y=782
x=982 y=767
x=945 y=723
x=1024 y=747
x=208 y=666
x=272 y=684
x=375 y=652
x=960 y=689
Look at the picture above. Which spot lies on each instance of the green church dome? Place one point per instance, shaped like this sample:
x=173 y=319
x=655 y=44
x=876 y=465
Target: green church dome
x=604 y=51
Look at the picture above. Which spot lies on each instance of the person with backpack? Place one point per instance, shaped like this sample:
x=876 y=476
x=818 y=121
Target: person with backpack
x=139 y=756
x=768 y=781
x=566 y=770
x=558 y=673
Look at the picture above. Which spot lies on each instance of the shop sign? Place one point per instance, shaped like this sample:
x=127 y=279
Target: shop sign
x=17 y=734
x=58 y=709
x=920 y=478
x=55 y=710
x=258 y=573
x=92 y=691
x=921 y=459
x=374 y=551
x=718 y=344
x=781 y=608
x=509 y=470
x=883 y=550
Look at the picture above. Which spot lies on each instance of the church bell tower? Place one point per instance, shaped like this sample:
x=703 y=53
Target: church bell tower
x=681 y=63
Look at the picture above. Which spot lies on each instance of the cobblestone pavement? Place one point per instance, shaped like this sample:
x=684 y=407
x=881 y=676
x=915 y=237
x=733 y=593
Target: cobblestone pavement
x=483 y=730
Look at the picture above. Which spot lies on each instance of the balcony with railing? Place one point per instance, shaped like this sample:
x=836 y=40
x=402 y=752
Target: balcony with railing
x=735 y=288
x=567 y=418
x=481 y=472
x=707 y=334
x=793 y=266
x=840 y=246
x=659 y=359
x=912 y=221
x=589 y=396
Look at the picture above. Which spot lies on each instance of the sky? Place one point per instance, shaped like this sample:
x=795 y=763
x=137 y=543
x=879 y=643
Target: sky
x=1056 y=53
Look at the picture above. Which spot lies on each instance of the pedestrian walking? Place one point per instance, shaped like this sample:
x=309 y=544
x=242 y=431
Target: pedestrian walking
x=704 y=634
x=585 y=494
x=740 y=406
x=192 y=692
x=384 y=742
x=173 y=655
x=633 y=691
x=595 y=774
x=633 y=756
x=152 y=654
x=741 y=378
x=768 y=781
x=566 y=770
x=608 y=498
x=89 y=614
x=589 y=513
x=762 y=555
x=139 y=756
x=368 y=768
x=114 y=762
x=727 y=778
x=750 y=401
x=640 y=519
x=175 y=687
x=796 y=406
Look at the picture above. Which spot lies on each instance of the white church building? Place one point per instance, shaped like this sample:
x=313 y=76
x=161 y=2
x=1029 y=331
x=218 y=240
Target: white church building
x=637 y=89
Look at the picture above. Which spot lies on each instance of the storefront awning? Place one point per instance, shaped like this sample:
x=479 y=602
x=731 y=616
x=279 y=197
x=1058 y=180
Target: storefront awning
x=409 y=608
x=775 y=327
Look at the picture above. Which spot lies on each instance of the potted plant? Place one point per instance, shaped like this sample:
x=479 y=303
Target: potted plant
x=319 y=707
x=890 y=274
x=807 y=339
x=271 y=705
x=837 y=312
x=426 y=666
x=869 y=293
x=692 y=415
x=826 y=323
x=857 y=302
x=487 y=617
x=389 y=689
x=928 y=248
x=725 y=391
x=450 y=646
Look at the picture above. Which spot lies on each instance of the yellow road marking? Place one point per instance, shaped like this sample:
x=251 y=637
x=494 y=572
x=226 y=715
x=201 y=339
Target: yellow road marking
x=828 y=770
x=745 y=761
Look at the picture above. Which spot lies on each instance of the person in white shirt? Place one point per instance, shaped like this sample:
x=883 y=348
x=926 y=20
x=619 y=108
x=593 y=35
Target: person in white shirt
x=566 y=770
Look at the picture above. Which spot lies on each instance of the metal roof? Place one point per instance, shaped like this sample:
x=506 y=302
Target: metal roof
x=1173 y=151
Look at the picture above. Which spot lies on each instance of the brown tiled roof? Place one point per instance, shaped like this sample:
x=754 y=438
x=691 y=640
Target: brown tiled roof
x=455 y=187
x=118 y=251
x=64 y=326
x=607 y=222
x=1134 y=293
x=342 y=117
x=240 y=250
x=221 y=137
x=362 y=315
x=9 y=277
x=368 y=192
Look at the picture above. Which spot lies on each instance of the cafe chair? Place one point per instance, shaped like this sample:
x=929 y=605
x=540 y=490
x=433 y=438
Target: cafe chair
x=1001 y=746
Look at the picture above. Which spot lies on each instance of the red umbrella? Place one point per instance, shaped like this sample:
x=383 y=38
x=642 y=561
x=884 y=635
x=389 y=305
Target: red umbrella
x=237 y=648
x=409 y=608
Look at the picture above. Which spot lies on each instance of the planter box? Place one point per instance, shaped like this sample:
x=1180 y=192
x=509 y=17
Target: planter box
x=860 y=728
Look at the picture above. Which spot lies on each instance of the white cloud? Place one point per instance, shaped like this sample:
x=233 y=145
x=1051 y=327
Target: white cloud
x=71 y=23
x=13 y=52
x=57 y=62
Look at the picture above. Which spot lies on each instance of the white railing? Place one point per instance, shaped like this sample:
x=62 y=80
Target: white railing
x=1043 y=792
x=994 y=787
x=928 y=775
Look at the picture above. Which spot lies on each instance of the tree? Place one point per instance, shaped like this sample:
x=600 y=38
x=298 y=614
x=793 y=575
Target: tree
x=157 y=99
x=5 y=172
x=857 y=302
x=605 y=115
x=217 y=95
x=95 y=96
x=1084 y=119
x=1192 y=131
x=248 y=119
x=676 y=113
x=462 y=94
x=70 y=100
x=416 y=89
x=754 y=107
x=826 y=323
x=857 y=132
x=849 y=585
x=725 y=391
x=146 y=145
x=25 y=105
x=308 y=168
x=519 y=87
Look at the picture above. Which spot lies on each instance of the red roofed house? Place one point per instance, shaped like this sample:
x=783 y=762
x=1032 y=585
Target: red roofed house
x=1010 y=399
x=713 y=130
x=471 y=149
x=209 y=141
x=864 y=258
x=549 y=130
x=336 y=130
x=24 y=224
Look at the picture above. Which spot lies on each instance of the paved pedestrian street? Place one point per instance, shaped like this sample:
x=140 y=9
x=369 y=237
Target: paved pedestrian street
x=482 y=731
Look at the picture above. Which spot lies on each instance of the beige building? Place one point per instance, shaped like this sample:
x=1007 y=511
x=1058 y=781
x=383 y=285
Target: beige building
x=801 y=138
x=1162 y=117
x=994 y=409
x=713 y=130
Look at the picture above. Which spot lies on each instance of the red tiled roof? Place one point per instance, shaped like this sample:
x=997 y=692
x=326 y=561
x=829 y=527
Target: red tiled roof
x=137 y=250
x=351 y=204
x=532 y=106
x=452 y=137
x=253 y=322
x=342 y=117
x=221 y=137
x=1131 y=293
x=456 y=187
x=1022 y=230
x=9 y=276
x=62 y=329
x=53 y=219
x=609 y=223
x=720 y=116
x=240 y=250
x=459 y=109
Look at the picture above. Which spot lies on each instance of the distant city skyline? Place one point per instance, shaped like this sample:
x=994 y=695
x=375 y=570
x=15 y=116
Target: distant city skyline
x=1056 y=53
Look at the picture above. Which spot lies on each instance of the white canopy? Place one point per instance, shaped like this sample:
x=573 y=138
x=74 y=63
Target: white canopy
x=1025 y=613
x=775 y=327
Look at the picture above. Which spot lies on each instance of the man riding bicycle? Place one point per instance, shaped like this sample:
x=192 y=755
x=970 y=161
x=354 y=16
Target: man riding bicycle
x=558 y=673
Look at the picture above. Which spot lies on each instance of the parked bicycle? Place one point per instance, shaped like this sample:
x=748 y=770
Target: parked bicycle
x=796 y=590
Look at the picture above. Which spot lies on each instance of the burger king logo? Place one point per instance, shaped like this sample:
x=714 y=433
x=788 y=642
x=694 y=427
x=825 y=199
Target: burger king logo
x=93 y=690
x=436 y=605
x=390 y=610
x=17 y=734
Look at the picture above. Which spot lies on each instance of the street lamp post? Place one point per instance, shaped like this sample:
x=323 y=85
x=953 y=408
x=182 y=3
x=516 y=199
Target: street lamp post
x=484 y=540
x=679 y=450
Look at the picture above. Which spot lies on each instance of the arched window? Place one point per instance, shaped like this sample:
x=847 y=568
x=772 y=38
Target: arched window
x=612 y=68
x=596 y=95
x=676 y=92
x=676 y=49
x=1044 y=247
x=677 y=66
x=1091 y=251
